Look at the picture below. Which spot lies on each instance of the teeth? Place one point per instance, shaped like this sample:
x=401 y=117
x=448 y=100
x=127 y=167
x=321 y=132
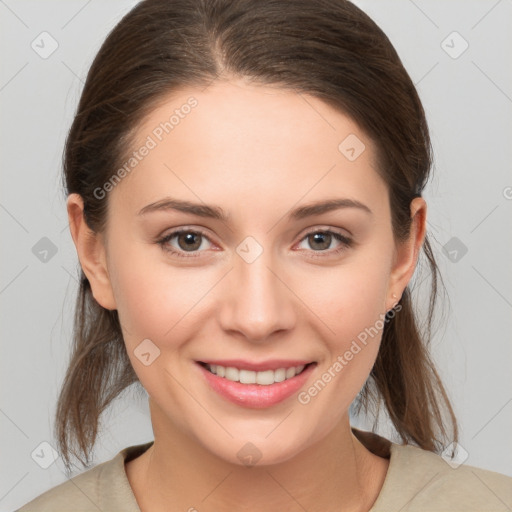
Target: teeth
x=279 y=375
x=265 y=378
x=232 y=374
x=247 y=377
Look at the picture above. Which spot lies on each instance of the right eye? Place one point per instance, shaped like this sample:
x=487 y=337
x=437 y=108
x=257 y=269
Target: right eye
x=187 y=240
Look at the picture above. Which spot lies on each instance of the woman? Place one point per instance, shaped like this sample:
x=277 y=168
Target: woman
x=245 y=196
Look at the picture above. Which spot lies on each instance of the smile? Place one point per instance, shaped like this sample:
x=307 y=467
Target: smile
x=264 y=378
x=253 y=388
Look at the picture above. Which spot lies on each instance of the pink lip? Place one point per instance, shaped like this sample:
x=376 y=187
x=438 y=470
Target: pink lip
x=256 y=396
x=271 y=364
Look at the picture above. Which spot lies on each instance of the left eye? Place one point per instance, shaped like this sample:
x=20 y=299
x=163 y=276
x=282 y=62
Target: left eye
x=321 y=240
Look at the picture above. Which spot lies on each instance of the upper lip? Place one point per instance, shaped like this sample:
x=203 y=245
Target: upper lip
x=271 y=364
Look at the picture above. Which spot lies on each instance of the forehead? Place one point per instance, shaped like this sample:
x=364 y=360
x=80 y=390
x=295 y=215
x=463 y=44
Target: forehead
x=239 y=139
x=279 y=117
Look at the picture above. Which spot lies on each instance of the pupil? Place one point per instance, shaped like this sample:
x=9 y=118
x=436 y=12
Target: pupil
x=322 y=238
x=189 y=241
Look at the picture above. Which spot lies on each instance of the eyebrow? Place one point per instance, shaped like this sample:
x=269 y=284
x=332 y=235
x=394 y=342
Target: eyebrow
x=216 y=212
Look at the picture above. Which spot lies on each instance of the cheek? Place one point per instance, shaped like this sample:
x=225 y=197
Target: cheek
x=151 y=296
x=352 y=296
x=155 y=302
x=351 y=302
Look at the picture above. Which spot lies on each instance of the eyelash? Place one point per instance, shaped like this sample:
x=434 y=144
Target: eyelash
x=346 y=242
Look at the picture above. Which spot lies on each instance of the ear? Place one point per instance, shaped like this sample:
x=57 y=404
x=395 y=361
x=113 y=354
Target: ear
x=91 y=253
x=407 y=252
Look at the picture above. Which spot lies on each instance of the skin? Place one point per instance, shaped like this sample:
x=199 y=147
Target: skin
x=257 y=152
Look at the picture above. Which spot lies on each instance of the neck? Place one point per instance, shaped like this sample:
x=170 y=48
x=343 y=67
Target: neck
x=337 y=473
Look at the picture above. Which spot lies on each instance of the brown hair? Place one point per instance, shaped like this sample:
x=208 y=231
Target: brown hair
x=326 y=48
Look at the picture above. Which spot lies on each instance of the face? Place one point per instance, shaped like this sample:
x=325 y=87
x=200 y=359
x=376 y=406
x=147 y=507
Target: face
x=251 y=278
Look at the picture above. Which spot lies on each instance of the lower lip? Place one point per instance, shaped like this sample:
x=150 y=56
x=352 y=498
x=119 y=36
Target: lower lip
x=256 y=396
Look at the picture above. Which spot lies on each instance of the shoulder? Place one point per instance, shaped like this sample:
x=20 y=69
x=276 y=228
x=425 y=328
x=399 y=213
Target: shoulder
x=83 y=491
x=419 y=480
x=103 y=487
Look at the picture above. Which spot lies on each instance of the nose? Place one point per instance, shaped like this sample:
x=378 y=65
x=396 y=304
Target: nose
x=259 y=301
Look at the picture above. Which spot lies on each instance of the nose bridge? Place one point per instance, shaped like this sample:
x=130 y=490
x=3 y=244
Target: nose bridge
x=259 y=303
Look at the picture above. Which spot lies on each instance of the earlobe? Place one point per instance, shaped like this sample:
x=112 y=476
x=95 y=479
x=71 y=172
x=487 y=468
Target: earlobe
x=91 y=253
x=407 y=252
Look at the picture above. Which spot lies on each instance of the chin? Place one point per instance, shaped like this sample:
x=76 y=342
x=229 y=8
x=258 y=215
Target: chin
x=252 y=451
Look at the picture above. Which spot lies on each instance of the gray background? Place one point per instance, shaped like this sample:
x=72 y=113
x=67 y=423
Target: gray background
x=467 y=96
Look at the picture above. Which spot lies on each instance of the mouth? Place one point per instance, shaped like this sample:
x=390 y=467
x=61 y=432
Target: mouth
x=265 y=377
x=271 y=383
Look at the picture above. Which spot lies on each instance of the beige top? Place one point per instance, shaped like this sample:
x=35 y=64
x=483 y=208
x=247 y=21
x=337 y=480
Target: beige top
x=416 y=480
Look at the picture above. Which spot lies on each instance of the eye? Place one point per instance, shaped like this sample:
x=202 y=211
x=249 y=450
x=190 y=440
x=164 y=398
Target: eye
x=191 y=241
x=187 y=240
x=320 y=241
